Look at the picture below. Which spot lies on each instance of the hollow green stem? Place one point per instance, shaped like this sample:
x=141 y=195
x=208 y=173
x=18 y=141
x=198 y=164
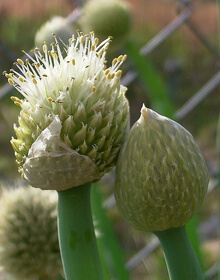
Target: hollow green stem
x=181 y=260
x=76 y=235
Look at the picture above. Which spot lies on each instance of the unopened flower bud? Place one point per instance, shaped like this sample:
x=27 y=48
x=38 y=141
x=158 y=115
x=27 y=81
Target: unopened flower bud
x=107 y=18
x=74 y=115
x=161 y=176
x=29 y=246
x=57 y=25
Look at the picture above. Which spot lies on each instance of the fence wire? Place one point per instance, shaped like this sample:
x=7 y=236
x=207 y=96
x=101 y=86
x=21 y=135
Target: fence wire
x=184 y=13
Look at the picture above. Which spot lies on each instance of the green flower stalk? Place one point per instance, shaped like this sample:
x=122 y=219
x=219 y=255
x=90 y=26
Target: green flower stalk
x=56 y=24
x=29 y=246
x=73 y=121
x=107 y=18
x=161 y=182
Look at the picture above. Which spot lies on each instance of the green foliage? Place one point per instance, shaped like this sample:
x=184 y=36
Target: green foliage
x=154 y=85
x=110 y=250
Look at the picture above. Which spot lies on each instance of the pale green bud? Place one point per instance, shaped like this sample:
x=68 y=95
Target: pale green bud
x=161 y=176
x=57 y=25
x=74 y=115
x=29 y=246
x=107 y=18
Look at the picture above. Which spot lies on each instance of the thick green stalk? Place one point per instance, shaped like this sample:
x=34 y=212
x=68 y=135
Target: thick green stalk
x=76 y=235
x=181 y=260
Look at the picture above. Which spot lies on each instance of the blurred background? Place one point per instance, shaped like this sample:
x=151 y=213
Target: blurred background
x=173 y=49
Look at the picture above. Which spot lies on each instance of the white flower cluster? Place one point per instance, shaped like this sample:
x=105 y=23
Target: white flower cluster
x=75 y=90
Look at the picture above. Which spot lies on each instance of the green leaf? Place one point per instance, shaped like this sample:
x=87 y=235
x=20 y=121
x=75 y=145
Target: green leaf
x=109 y=248
x=154 y=85
x=191 y=228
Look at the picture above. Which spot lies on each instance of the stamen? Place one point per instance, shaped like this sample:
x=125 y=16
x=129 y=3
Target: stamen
x=16 y=100
x=34 y=81
x=44 y=48
x=11 y=82
x=54 y=55
x=118 y=73
x=21 y=62
x=106 y=71
x=124 y=57
x=114 y=61
x=21 y=79
x=96 y=41
x=81 y=39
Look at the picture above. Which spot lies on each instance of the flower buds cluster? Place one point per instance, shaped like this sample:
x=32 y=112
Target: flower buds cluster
x=107 y=18
x=161 y=176
x=29 y=246
x=74 y=115
x=58 y=25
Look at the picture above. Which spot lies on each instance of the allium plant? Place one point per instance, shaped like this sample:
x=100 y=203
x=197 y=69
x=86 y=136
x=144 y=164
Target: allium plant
x=74 y=108
x=56 y=24
x=28 y=234
x=161 y=182
x=107 y=17
x=72 y=123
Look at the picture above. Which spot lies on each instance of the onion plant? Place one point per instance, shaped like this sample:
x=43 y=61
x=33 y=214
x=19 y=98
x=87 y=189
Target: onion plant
x=161 y=182
x=73 y=121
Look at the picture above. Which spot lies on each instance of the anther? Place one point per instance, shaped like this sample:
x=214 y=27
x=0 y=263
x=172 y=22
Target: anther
x=106 y=71
x=120 y=58
x=124 y=57
x=11 y=82
x=109 y=76
x=34 y=81
x=96 y=41
x=21 y=62
x=53 y=54
x=16 y=100
x=114 y=61
x=81 y=39
x=44 y=48
x=118 y=73
x=21 y=79
x=18 y=103
x=9 y=75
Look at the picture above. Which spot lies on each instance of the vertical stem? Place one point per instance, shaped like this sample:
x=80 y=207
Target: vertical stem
x=76 y=235
x=181 y=260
